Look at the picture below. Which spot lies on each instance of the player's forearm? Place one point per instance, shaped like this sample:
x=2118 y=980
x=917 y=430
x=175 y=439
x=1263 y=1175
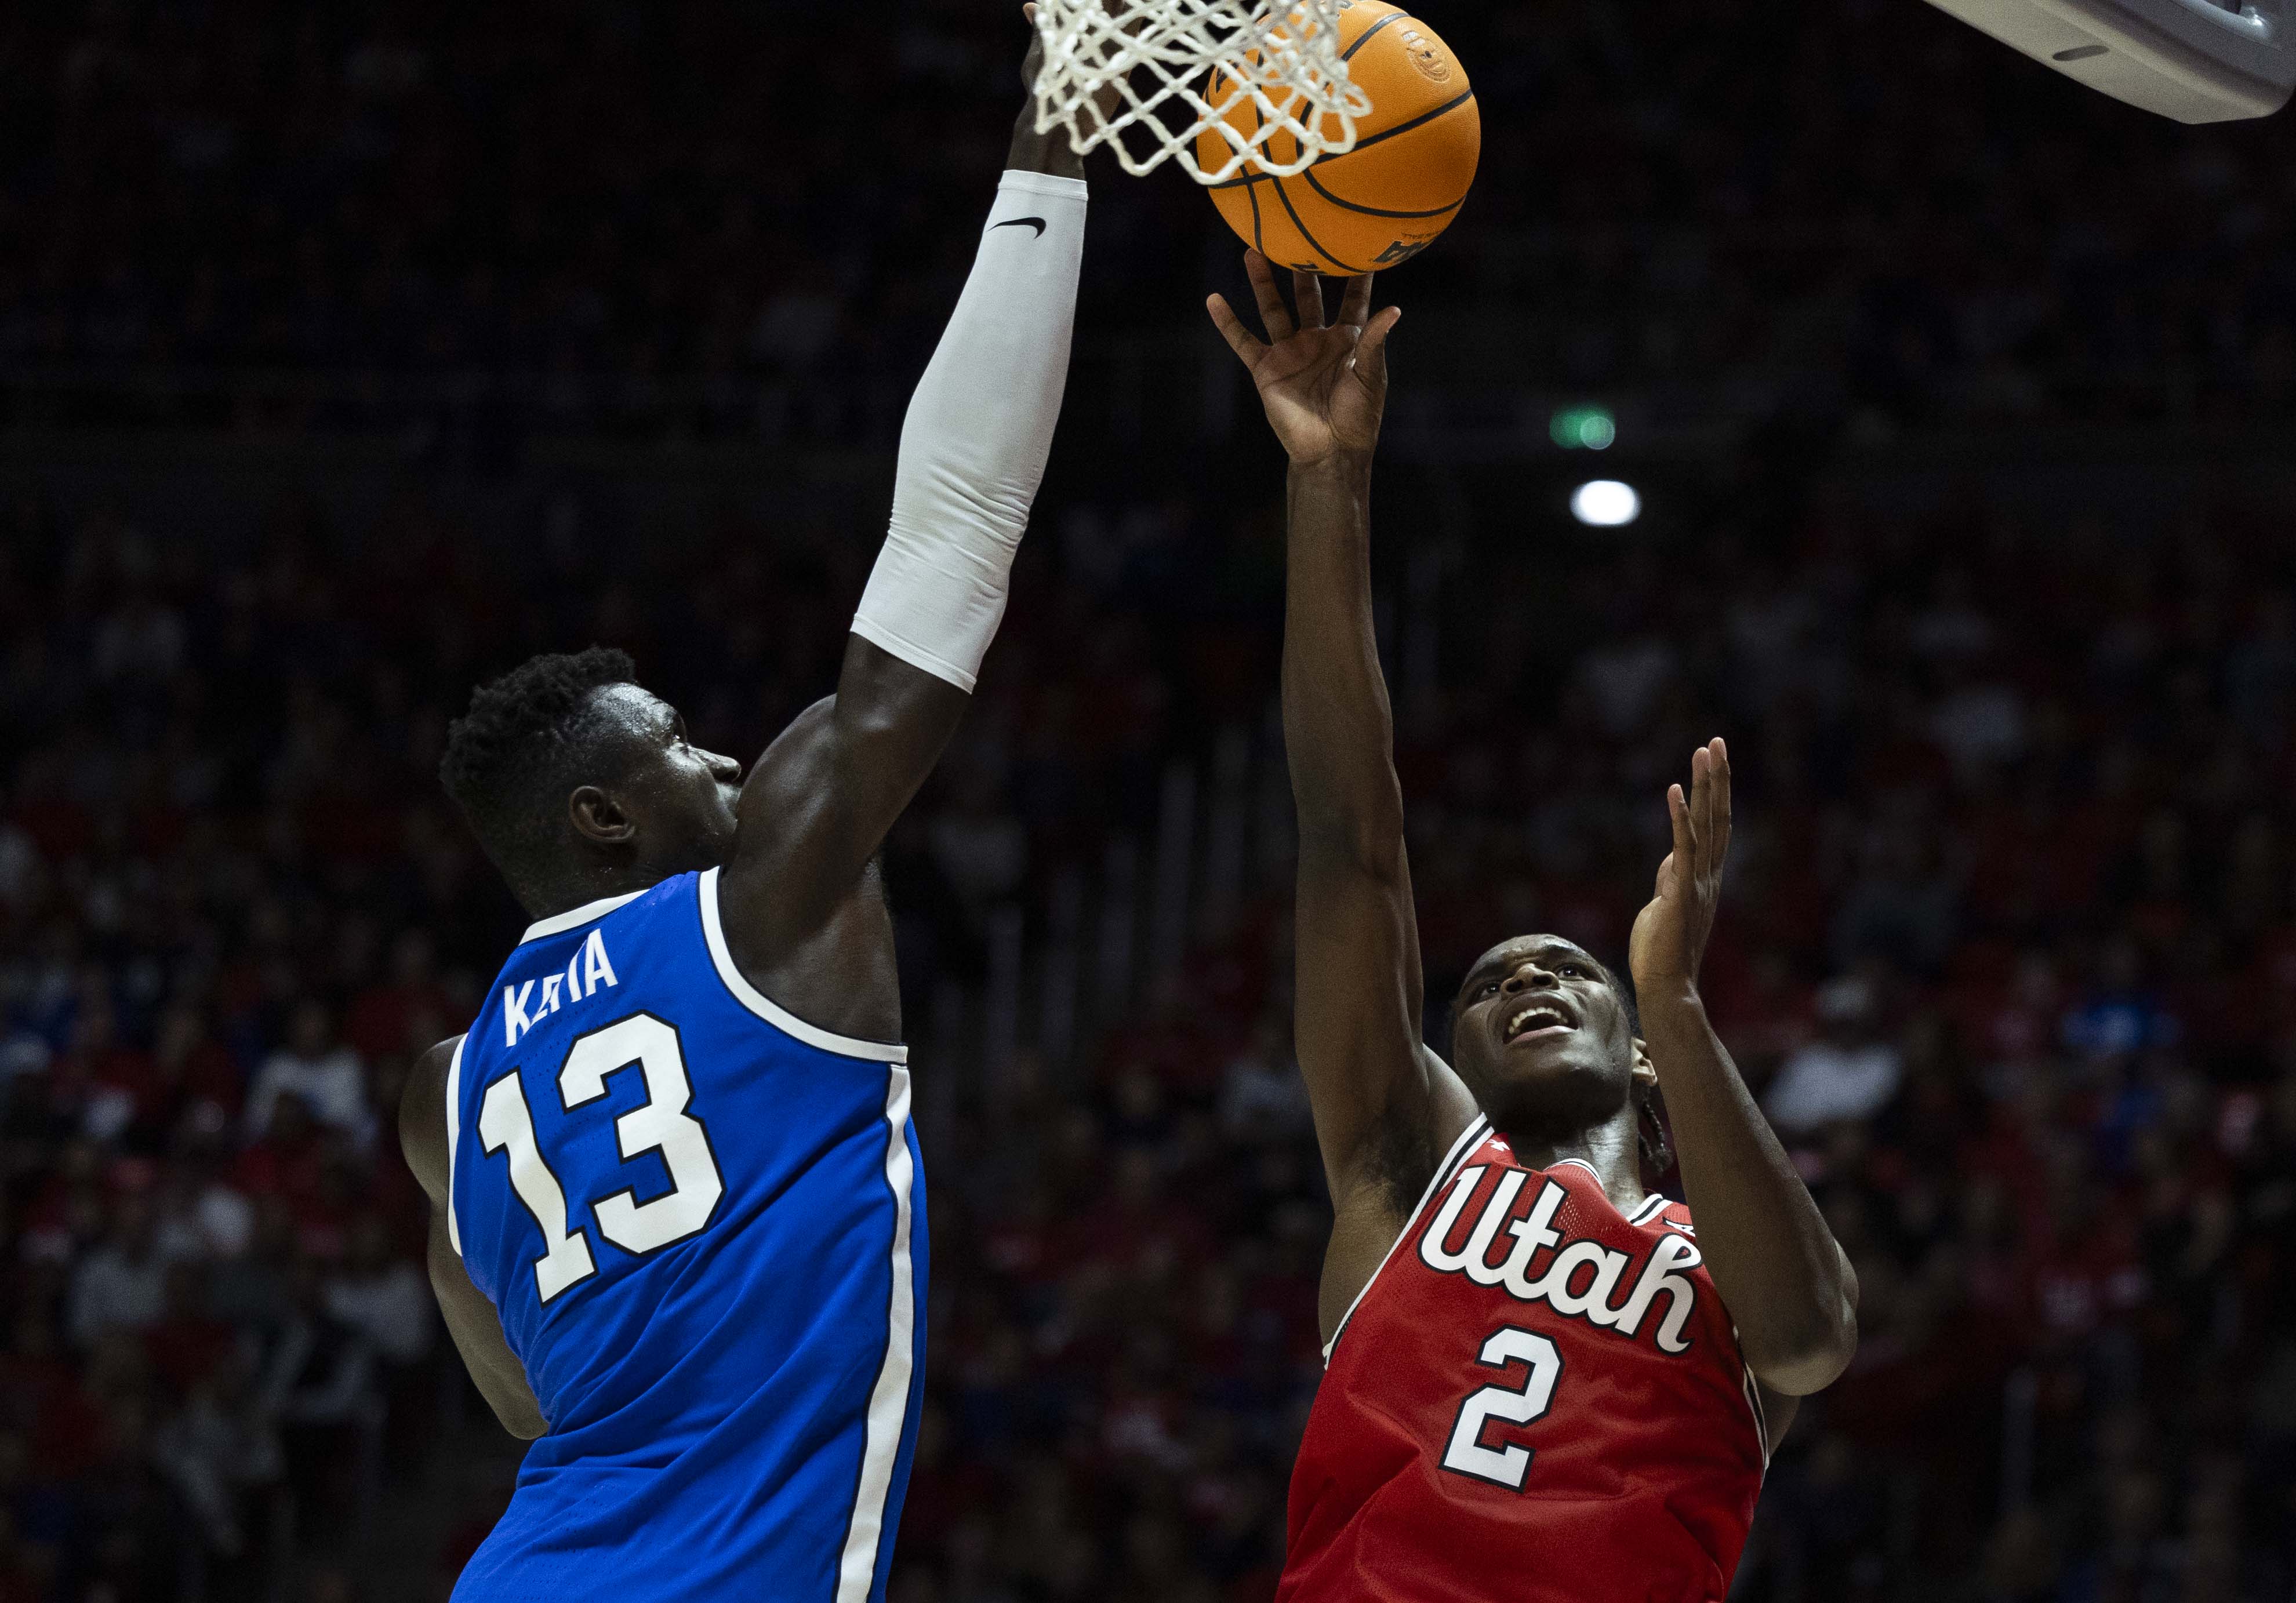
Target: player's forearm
x=978 y=435
x=471 y=1323
x=1339 y=731
x=1789 y=1289
x=1048 y=152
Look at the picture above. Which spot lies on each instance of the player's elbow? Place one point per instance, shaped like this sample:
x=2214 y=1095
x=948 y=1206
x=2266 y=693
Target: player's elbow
x=522 y=1418
x=1809 y=1354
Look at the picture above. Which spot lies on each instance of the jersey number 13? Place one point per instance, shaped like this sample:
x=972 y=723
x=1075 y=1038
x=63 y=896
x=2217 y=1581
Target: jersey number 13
x=660 y=1123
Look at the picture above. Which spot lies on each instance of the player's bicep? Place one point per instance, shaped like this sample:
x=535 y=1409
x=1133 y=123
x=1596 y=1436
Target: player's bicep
x=1357 y=1020
x=477 y=1330
x=819 y=803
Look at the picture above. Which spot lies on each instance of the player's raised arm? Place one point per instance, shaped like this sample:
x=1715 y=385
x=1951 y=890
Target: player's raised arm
x=1788 y=1286
x=1384 y=1106
x=979 y=428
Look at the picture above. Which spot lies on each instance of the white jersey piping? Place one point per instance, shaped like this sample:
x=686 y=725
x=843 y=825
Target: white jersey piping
x=454 y=1138
x=888 y=1400
x=713 y=931
x=574 y=918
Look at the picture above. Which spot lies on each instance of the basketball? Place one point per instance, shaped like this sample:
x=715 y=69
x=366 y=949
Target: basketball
x=1385 y=200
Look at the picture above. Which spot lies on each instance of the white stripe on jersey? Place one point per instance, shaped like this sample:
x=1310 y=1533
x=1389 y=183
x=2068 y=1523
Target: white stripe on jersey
x=454 y=1137
x=574 y=918
x=1650 y=1209
x=713 y=931
x=888 y=1402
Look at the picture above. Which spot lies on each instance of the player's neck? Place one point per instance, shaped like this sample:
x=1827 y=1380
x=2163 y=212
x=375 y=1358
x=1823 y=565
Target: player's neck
x=1610 y=1148
x=596 y=883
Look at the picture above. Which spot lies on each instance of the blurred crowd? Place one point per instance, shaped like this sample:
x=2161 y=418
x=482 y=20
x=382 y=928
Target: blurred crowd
x=2010 y=954
x=2009 y=949
x=707 y=217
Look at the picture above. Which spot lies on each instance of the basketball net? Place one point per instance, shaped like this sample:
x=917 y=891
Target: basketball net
x=1134 y=74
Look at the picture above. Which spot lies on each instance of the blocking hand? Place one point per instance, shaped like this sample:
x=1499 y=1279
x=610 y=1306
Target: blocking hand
x=1324 y=384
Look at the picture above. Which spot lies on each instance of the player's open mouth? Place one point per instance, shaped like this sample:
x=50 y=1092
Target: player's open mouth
x=1532 y=1020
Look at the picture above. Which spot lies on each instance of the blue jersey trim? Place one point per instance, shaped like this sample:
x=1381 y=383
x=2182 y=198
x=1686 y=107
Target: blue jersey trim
x=713 y=931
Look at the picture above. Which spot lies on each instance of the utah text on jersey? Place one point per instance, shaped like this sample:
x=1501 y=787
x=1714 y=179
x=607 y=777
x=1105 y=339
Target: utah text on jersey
x=1577 y=1279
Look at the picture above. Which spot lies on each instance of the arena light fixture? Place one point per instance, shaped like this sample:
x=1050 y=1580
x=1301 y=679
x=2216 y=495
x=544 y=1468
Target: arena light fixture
x=2195 y=61
x=1606 y=503
x=1583 y=428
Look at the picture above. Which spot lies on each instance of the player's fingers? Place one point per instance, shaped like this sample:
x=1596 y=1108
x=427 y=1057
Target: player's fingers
x=1678 y=813
x=1355 y=301
x=1721 y=847
x=1307 y=295
x=1370 y=350
x=1231 y=327
x=1702 y=786
x=1272 y=311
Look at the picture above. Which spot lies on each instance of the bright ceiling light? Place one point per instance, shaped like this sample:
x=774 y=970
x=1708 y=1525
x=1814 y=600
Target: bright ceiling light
x=1606 y=503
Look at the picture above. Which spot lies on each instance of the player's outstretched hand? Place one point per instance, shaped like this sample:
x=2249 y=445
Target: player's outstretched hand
x=1323 y=383
x=1670 y=937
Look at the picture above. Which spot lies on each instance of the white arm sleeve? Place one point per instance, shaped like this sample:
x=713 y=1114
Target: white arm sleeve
x=978 y=431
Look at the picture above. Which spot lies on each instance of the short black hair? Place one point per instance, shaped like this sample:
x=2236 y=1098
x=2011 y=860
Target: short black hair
x=528 y=739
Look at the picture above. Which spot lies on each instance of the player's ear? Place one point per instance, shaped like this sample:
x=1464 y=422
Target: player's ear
x=1644 y=1071
x=598 y=818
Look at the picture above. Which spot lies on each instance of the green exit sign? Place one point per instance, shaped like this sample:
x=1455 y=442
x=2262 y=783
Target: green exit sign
x=1584 y=428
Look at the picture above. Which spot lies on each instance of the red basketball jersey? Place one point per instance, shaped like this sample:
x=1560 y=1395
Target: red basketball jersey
x=1538 y=1399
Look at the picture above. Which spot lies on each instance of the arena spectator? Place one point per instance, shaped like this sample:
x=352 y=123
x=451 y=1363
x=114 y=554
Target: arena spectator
x=325 y=1075
x=1849 y=1073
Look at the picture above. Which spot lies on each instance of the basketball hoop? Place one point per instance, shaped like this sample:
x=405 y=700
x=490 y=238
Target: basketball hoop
x=1177 y=68
x=2195 y=61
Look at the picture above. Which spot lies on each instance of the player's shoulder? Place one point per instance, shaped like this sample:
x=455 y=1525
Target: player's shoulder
x=1658 y=1211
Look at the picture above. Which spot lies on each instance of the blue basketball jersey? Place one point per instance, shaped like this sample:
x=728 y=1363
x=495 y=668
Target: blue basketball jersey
x=702 y=1223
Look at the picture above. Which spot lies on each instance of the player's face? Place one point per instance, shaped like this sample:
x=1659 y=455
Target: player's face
x=682 y=797
x=1543 y=1037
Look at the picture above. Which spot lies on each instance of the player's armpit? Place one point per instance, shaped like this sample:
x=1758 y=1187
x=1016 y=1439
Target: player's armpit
x=471 y=1318
x=1384 y=1106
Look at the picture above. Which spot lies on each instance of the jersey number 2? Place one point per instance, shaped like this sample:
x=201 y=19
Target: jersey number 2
x=1512 y=1405
x=660 y=1123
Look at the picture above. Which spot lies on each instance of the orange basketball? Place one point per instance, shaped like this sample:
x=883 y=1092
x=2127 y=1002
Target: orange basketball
x=1385 y=200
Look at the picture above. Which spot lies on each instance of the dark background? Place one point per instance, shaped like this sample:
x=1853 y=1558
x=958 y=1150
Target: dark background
x=349 y=354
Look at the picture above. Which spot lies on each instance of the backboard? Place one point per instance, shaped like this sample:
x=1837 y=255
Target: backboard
x=2195 y=61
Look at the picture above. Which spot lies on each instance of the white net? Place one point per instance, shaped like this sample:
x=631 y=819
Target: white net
x=1146 y=77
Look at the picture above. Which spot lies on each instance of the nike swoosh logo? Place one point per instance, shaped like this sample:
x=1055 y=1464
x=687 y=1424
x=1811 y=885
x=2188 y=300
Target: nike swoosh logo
x=1036 y=223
